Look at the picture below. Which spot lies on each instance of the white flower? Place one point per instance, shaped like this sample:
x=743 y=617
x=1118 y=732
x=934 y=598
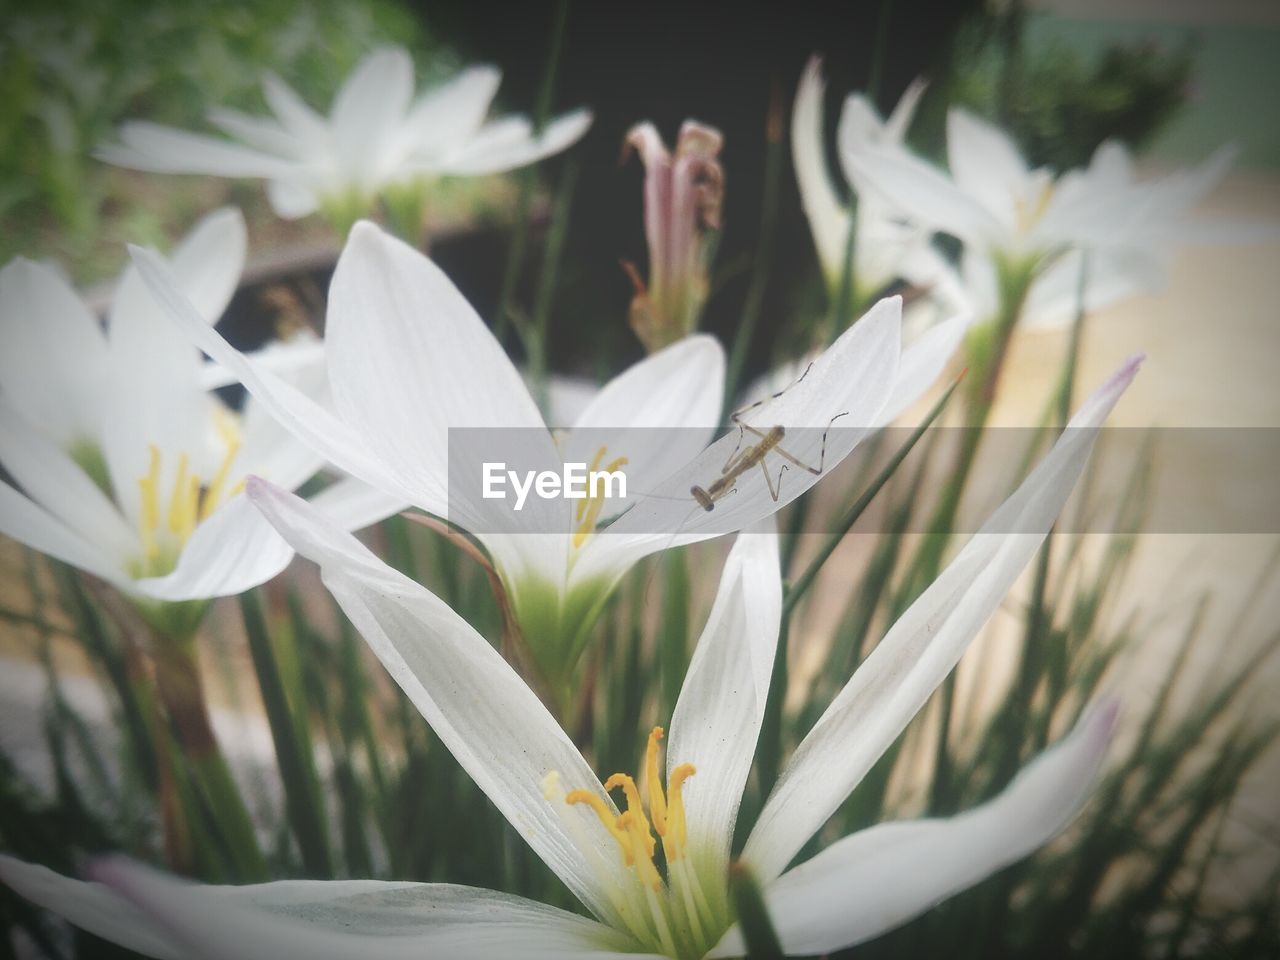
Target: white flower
x=515 y=751
x=375 y=136
x=409 y=361
x=1134 y=252
x=128 y=466
x=889 y=245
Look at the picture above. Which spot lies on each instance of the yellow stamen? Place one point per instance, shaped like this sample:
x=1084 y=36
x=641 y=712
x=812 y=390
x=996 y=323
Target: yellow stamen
x=611 y=823
x=679 y=838
x=631 y=829
x=213 y=494
x=589 y=508
x=653 y=780
x=149 y=514
x=184 y=502
x=1029 y=214
x=632 y=793
x=595 y=465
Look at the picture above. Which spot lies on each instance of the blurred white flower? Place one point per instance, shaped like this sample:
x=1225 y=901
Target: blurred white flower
x=676 y=905
x=889 y=244
x=683 y=194
x=376 y=137
x=126 y=464
x=1129 y=255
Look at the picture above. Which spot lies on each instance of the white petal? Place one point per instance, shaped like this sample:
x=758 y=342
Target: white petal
x=303 y=352
x=924 y=194
x=161 y=149
x=895 y=681
x=163 y=916
x=53 y=354
x=449 y=115
x=659 y=413
x=482 y=711
x=852 y=379
x=259 y=133
x=150 y=352
x=27 y=523
x=232 y=551
x=828 y=216
x=717 y=719
x=872 y=881
x=900 y=120
x=368 y=110
x=52 y=479
x=409 y=359
x=923 y=362
x=313 y=424
x=510 y=143
x=298 y=117
x=92 y=907
x=292 y=199
x=567 y=398
x=985 y=163
x=352 y=504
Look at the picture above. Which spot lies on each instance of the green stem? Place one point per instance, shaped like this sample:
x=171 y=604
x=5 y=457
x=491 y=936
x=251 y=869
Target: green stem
x=520 y=237
x=845 y=524
x=764 y=254
x=297 y=771
x=181 y=690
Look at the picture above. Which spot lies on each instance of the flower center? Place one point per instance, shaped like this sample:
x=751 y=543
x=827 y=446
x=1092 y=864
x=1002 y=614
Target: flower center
x=169 y=521
x=1029 y=209
x=588 y=511
x=670 y=908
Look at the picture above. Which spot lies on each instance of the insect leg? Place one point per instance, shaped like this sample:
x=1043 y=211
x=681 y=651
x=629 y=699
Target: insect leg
x=775 y=489
x=822 y=459
x=736 y=416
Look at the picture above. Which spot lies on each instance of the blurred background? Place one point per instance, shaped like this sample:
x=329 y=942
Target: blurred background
x=1172 y=79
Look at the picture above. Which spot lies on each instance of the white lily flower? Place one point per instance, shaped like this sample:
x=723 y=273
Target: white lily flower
x=512 y=747
x=409 y=360
x=376 y=136
x=889 y=245
x=128 y=466
x=991 y=199
x=1127 y=256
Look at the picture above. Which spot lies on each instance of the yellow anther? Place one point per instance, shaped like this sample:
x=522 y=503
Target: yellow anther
x=631 y=829
x=184 y=502
x=589 y=508
x=653 y=780
x=637 y=826
x=214 y=492
x=149 y=507
x=679 y=836
x=595 y=465
x=634 y=808
x=1029 y=214
x=611 y=823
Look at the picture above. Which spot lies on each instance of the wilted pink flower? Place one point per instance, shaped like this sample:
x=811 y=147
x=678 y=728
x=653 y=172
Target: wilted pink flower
x=682 y=198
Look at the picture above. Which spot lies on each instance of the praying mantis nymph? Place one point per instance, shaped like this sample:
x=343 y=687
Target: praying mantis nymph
x=744 y=459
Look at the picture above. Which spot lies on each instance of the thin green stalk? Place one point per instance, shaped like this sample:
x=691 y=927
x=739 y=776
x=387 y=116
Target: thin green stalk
x=879 y=51
x=181 y=690
x=536 y=341
x=520 y=236
x=674 y=638
x=763 y=257
x=753 y=915
x=802 y=583
x=297 y=771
